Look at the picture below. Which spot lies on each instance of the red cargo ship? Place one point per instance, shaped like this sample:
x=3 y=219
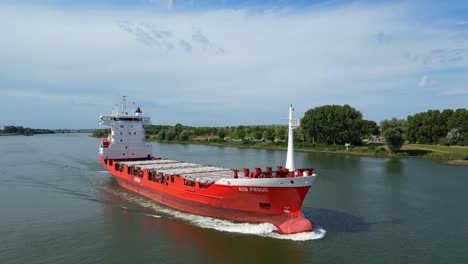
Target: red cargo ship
x=273 y=196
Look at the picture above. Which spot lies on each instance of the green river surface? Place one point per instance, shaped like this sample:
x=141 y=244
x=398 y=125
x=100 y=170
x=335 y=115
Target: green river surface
x=58 y=205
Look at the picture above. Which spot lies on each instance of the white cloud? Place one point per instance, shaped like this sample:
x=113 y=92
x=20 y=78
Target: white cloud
x=423 y=81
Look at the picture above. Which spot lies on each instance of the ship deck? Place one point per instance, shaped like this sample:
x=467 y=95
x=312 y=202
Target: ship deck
x=186 y=170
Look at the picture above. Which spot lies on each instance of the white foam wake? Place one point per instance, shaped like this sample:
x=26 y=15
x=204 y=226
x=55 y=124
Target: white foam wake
x=154 y=216
x=317 y=233
x=260 y=229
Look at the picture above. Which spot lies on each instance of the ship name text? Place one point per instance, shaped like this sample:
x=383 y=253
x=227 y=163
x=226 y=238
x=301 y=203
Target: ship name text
x=253 y=189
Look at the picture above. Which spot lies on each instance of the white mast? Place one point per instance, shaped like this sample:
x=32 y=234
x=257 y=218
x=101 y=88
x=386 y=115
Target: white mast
x=293 y=123
x=123 y=104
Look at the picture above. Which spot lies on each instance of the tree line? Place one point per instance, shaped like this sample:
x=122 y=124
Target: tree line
x=336 y=124
x=448 y=127
x=19 y=130
x=333 y=124
x=180 y=132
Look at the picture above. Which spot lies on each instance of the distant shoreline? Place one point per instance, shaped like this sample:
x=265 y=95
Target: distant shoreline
x=59 y=131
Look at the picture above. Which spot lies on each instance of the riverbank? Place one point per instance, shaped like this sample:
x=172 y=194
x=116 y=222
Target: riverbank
x=453 y=155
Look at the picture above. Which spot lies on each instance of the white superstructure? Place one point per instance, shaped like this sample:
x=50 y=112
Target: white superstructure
x=127 y=137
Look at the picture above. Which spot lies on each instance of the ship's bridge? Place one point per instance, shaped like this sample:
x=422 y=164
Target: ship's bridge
x=127 y=137
x=110 y=119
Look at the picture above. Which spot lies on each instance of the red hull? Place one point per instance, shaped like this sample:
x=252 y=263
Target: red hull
x=273 y=203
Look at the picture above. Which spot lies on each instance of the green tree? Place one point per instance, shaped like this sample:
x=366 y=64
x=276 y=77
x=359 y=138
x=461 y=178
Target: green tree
x=240 y=132
x=459 y=120
x=280 y=132
x=394 y=139
x=28 y=131
x=401 y=124
x=101 y=133
x=269 y=134
x=178 y=129
x=10 y=129
x=162 y=134
x=257 y=134
x=414 y=123
x=20 y=130
x=170 y=134
x=332 y=124
x=430 y=126
x=454 y=137
x=184 y=135
x=221 y=133
x=369 y=127
x=393 y=131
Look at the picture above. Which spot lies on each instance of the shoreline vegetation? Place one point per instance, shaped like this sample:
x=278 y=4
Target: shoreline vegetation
x=452 y=155
x=434 y=134
x=26 y=131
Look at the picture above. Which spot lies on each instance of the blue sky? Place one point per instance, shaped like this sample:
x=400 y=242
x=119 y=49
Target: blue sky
x=217 y=63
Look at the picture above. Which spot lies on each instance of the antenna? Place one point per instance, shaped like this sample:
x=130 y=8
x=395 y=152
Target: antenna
x=123 y=104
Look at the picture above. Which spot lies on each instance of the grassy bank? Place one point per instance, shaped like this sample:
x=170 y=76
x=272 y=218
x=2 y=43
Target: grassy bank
x=446 y=154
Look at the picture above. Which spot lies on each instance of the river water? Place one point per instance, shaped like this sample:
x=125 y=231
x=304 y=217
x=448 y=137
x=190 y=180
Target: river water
x=58 y=205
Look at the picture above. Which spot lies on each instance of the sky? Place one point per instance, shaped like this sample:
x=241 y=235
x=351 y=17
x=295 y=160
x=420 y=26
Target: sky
x=225 y=63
